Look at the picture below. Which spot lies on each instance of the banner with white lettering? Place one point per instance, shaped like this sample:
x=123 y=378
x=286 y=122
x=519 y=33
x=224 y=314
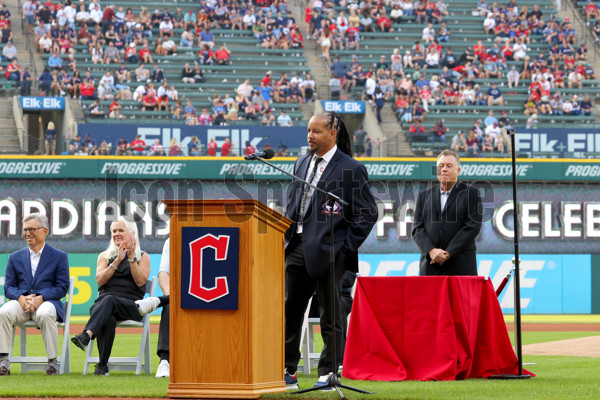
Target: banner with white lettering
x=561 y=218
x=258 y=136
x=564 y=142
x=39 y=103
x=344 y=107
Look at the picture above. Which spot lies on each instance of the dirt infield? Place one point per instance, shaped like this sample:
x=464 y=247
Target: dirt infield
x=547 y=327
x=580 y=347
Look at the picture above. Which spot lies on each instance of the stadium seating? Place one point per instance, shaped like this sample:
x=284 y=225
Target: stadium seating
x=466 y=29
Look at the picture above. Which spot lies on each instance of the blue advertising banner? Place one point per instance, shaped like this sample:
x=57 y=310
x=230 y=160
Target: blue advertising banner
x=258 y=136
x=209 y=268
x=344 y=107
x=557 y=140
x=550 y=283
x=42 y=103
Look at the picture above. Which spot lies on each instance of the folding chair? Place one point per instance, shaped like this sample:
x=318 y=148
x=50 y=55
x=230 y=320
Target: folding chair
x=143 y=360
x=39 y=363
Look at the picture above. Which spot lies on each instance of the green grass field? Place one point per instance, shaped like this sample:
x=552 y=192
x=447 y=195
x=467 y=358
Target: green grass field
x=558 y=378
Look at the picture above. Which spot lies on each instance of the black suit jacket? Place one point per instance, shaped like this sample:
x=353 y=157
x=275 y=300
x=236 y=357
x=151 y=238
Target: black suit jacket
x=348 y=179
x=453 y=230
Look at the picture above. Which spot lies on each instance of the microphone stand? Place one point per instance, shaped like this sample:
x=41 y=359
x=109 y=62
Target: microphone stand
x=334 y=380
x=517 y=278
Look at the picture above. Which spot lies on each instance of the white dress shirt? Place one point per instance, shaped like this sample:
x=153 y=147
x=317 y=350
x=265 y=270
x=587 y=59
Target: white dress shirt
x=322 y=165
x=444 y=197
x=35 y=259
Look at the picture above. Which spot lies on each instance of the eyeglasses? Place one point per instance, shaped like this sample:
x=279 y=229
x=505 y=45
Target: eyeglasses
x=31 y=230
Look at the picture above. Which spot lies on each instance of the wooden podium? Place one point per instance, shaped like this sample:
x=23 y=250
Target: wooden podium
x=237 y=353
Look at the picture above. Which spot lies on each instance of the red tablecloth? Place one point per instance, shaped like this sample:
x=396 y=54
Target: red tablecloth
x=426 y=328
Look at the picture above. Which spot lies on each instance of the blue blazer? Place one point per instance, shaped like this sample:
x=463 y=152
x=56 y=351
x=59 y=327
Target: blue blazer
x=51 y=277
x=348 y=179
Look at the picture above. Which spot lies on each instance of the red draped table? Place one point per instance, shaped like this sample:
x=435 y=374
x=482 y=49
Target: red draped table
x=426 y=328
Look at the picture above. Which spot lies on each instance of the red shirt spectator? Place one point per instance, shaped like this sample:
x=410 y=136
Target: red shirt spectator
x=138 y=144
x=249 y=149
x=88 y=89
x=226 y=148
x=212 y=148
x=267 y=79
x=384 y=23
x=143 y=53
x=416 y=129
x=108 y=14
x=222 y=55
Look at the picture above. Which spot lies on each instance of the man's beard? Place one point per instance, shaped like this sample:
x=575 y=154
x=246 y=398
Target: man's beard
x=312 y=152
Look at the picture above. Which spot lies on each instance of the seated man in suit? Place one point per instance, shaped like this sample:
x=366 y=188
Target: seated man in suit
x=37 y=277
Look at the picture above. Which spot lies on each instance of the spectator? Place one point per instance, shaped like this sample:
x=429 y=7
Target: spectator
x=586 y=106
x=282 y=150
x=157 y=74
x=249 y=149
x=194 y=147
x=177 y=110
x=513 y=78
x=212 y=147
x=111 y=54
x=169 y=47
x=13 y=71
x=339 y=68
x=284 y=119
x=206 y=55
x=459 y=143
x=157 y=149
x=472 y=145
x=145 y=55
x=486 y=144
x=206 y=38
x=379 y=103
x=417 y=130
x=131 y=54
x=149 y=101
x=226 y=148
x=438 y=132
x=221 y=56
x=26 y=82
x=532 y=120
x=187 y=74
x=174 y=149
x=494 y=96
x=335 y=87
x=89 y=144
x=9 y=52
x=50 y=139
x=54 y=61
x=115 y=110
x=495 y=135
x=205 y=118
x=187 y=38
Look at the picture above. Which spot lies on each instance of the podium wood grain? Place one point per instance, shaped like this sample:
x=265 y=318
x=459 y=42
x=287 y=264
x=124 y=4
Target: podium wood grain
x=231 y=353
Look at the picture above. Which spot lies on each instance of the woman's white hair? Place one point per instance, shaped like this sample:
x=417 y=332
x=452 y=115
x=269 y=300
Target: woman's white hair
x=113 y=249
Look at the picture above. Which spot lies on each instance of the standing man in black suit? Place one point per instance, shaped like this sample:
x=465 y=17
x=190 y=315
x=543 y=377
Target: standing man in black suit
x=447 y=220
x=329 y=165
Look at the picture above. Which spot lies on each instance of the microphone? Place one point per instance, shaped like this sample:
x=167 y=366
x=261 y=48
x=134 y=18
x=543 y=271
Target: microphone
x=267 y=154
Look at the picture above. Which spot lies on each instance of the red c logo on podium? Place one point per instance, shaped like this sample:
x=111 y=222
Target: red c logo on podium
x=221 y=245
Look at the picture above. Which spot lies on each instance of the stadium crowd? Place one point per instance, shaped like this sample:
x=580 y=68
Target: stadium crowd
x=125 y=44
x=441 y=77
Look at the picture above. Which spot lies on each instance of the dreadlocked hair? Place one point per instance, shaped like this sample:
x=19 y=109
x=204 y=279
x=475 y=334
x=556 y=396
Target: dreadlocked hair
x=336 y=123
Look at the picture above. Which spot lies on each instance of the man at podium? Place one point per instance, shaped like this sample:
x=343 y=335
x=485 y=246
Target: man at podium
x=330 y=166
